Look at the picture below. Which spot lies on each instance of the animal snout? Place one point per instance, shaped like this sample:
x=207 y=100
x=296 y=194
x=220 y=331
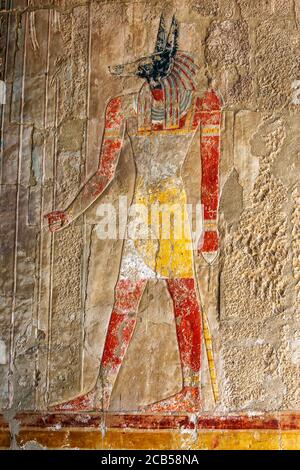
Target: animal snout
x=116 y=69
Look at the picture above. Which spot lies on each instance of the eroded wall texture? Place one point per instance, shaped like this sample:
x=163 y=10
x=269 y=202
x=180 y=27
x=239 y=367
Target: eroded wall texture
x=57 y=290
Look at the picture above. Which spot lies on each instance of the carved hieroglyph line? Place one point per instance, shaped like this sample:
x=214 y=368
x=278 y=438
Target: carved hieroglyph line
x=49 y=345
x=3 y=106
x=32 y=29
x=15 y=263
x=84 y=264
x=40 y=268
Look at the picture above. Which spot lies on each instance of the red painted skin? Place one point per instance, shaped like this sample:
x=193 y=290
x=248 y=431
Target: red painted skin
x=188 y=321
x=122 y=322
x=208 y=112
x=183 y=291
x=186 y=309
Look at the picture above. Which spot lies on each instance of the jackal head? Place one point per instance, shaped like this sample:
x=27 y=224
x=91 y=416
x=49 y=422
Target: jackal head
x=158 y=66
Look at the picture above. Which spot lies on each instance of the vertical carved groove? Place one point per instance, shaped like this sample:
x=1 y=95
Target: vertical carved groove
x=32 y=29
x=3 y=107
x=15 y=262
x=49 y=345
x=84 y=260
x=41 y=238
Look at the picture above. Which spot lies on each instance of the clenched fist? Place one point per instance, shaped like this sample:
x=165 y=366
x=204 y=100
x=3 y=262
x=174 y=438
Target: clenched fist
x=56 y=220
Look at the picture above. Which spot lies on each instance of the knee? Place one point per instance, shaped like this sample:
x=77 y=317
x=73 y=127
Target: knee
x=127 y=297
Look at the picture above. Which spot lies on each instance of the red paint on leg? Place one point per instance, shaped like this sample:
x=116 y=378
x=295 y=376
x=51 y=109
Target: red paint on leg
x=188 y=321
x=82 y=403
x=128 y=295
x=122 y=322
x=188 y=400
x=119 y=331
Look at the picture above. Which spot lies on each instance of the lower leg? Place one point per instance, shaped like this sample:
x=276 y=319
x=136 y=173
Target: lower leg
x=189 y=328
x=120 y=330
x=188 y=325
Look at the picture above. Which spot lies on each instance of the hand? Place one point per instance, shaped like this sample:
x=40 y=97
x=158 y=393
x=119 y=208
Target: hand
x=56 y=220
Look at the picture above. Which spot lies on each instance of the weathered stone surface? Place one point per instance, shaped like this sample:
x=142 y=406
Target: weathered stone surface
x=227 y=52
x=277 y=63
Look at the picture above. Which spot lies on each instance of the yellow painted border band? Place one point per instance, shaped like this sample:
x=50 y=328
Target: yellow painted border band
x=158 y=439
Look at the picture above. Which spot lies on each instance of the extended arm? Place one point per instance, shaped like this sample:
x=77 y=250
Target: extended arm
x=210 y=145
x=110 y=150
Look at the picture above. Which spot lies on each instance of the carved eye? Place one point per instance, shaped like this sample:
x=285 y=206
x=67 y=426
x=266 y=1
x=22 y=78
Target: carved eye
x=144 y=70
x=119 y=68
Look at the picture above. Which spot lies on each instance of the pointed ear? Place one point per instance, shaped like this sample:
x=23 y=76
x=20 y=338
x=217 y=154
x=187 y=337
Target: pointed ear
x=161 y=35
x=172 y=42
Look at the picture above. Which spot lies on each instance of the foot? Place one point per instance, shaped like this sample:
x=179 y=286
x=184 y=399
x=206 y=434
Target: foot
x=82 y=403
x=188 y=400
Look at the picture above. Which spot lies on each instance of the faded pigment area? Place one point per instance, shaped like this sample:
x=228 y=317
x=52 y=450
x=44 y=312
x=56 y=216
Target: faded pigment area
x=97 y=336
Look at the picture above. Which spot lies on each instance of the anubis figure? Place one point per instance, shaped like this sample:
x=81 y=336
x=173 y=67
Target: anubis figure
x=161 y=120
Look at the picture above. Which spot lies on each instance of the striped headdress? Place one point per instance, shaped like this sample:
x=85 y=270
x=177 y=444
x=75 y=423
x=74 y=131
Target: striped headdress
x=175 y=70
